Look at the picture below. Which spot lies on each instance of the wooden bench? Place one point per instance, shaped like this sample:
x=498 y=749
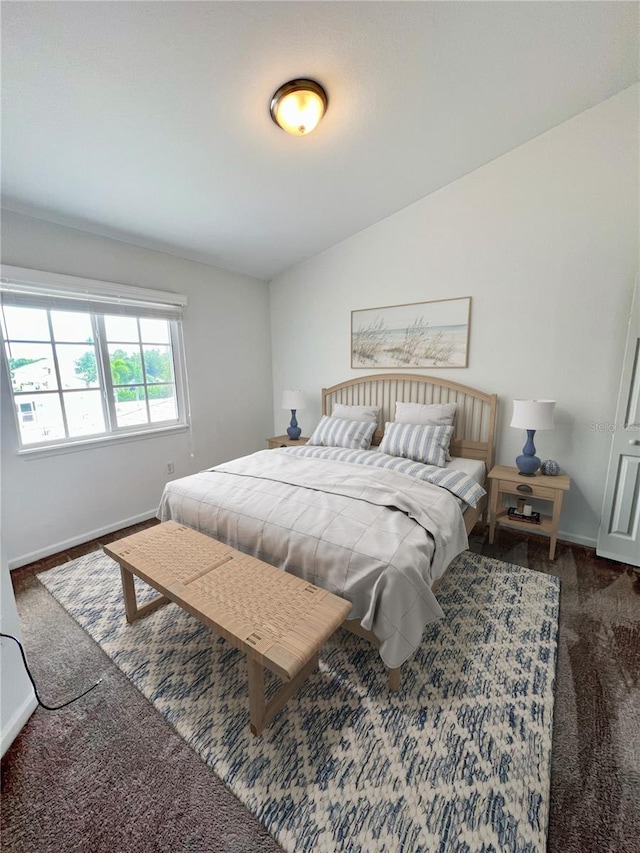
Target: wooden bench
x=278 y=620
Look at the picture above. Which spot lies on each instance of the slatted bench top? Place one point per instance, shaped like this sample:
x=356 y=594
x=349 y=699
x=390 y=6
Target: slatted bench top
x=279 y=621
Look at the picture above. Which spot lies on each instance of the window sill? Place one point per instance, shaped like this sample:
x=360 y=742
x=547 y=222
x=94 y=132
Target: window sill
x=28 y=453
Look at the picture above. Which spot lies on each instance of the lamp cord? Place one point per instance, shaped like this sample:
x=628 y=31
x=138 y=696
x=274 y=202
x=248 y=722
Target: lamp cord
x=35 y=689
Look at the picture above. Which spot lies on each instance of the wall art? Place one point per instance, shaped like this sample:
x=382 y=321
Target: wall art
x=421 y=334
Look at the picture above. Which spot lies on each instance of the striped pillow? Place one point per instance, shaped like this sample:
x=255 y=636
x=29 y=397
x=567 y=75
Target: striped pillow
x=433 y=414
x=426 y=444
x=339 y=432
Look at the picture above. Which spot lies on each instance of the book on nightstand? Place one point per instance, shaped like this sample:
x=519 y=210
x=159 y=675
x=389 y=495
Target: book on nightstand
x=534 y=518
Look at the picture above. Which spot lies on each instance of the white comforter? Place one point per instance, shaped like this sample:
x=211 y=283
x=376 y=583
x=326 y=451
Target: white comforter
x=376 y=537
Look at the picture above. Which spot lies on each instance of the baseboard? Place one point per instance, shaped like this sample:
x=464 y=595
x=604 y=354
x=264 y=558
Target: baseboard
x=574 y=538
x=587 y=541
x=57 y=547
x=18 y=719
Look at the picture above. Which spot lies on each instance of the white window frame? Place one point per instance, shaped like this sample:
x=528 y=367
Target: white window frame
x=96 y=298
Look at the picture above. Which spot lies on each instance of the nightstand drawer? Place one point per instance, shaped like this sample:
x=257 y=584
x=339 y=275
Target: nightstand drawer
x=532 y=490
x=284 y=441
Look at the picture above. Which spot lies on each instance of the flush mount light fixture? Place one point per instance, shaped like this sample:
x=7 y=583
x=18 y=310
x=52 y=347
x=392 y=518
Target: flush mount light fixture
x=298 y=106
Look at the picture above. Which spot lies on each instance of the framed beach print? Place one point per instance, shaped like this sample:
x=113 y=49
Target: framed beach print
x=422 y=334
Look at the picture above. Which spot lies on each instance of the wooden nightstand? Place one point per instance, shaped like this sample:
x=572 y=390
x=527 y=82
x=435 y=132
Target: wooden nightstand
x=285 y=441
x=507 y=481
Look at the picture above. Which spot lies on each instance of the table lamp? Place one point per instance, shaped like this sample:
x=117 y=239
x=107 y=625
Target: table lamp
x=531 y=415
x=293 y=400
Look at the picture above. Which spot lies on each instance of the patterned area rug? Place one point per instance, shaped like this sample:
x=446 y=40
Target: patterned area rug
x=459 y=760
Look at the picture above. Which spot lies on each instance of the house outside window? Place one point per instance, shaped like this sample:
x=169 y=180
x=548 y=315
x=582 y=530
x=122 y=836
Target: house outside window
x=90 y=361
x=27 y=412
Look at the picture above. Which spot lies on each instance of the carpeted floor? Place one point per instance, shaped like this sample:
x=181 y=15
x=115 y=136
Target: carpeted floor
x=460 y=755
x=109 y=774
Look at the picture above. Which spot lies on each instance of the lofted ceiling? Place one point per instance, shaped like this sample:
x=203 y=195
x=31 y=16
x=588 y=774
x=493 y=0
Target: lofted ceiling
x=149 y=121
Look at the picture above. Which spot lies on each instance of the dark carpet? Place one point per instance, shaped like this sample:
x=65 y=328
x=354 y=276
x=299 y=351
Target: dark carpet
x=108 y=774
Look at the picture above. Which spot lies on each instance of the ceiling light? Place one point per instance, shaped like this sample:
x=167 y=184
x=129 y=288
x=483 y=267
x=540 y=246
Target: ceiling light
x=298 y=106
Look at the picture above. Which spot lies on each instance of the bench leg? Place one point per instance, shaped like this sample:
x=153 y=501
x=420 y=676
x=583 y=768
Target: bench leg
x=395 y=677
x=256 y=696
x=260 y=712
x=131 y=609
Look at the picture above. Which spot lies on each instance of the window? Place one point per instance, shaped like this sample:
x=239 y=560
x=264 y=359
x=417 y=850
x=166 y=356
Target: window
x=88 y=365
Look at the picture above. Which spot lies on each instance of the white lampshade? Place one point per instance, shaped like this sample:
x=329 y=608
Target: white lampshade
x=293 y=400
x=533 y=414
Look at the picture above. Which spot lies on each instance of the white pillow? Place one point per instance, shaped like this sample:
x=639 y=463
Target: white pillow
x=434 y=414
x=356 y=413
x=426 y=444
x=341 y=432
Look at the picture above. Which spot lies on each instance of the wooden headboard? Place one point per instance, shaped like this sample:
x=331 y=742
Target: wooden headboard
x=475 y=424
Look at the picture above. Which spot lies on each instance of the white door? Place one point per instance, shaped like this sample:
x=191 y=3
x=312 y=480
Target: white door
x=619 y=536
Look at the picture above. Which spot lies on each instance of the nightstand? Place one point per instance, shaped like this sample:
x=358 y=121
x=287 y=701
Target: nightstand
x=285 y=441
x=507 y=481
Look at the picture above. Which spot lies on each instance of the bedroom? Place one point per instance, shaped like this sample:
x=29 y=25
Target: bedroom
x=542 y=234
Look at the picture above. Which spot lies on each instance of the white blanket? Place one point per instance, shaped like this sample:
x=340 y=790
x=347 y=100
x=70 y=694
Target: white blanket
x=376 y=537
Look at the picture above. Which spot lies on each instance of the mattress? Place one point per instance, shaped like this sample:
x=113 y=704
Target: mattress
x=474 y=468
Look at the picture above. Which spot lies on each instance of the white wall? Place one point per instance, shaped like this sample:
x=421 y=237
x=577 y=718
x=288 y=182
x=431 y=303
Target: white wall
x=17 y=699
x=545 y=241
x=54 y=501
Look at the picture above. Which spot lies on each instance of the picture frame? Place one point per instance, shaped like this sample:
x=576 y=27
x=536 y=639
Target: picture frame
x=417 y=334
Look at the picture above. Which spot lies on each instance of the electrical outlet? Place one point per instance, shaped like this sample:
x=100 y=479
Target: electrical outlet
x=170 y=468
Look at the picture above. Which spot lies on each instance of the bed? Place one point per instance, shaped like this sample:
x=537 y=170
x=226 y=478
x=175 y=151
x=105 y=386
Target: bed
x=371 y=526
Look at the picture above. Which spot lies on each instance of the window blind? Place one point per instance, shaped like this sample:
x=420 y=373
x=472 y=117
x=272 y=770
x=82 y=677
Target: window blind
x=39 y=289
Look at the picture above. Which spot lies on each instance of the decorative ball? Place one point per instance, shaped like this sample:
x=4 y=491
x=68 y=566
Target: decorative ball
x=550 y=468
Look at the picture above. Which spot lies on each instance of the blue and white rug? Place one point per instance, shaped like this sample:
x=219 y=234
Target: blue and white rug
x=459 y=760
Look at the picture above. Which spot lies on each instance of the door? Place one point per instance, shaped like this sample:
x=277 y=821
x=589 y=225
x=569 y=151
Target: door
x=619 y=535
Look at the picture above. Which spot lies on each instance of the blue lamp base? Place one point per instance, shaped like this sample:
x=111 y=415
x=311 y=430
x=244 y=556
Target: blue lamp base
x=528 y=463
x=294 y=431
